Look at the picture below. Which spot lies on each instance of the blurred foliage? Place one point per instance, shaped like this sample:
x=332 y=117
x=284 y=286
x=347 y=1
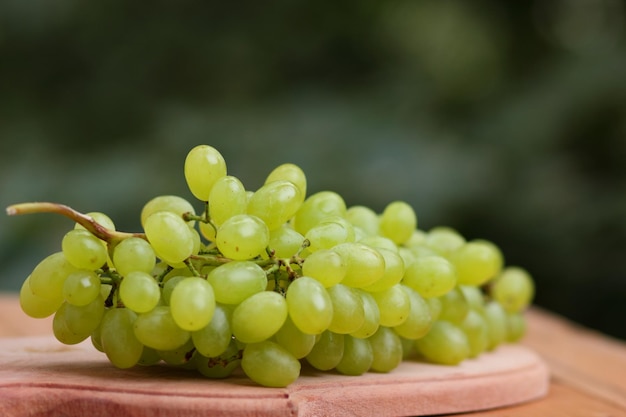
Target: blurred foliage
x=505 y=120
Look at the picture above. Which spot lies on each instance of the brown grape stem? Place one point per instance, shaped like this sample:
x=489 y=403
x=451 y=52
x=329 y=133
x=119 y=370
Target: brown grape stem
x=109 y=236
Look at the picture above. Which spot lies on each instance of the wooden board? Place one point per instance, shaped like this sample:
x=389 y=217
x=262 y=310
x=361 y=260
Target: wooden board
x=41 y=377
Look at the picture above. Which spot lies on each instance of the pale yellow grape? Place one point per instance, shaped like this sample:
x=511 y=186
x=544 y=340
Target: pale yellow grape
x=36 y=306
x=329 y=233
x=285 y=241
x=242 y=237
x=386 y=349
x=81 y=287
x=430 y=276
x=100 y=218
x=515 y=327
x=275 y=203
x=192 y=303
x=139 y=292
x=445 y=343
x=172 y=203
x=318 y=207
x=204 y=165
x=61 y=331
x=371 y=321
x=269 y=364
x=475 y=328
x=83 y=250
x=134 y=254
x=419 y=321
x=444 y=240
x=475 y=263
x=208 y=230
x=289 y=172
x=394 y=271
x=418 y=238
x=398 y=221
x=158 y=330
x=379 y=242
x=348 y=309
x=298 y=343
x=259 y=317
x=235 y=281
x=365 y=264
x=496 y=319
x=214 y=338
x=48 y=277
x=357 y=356
x=364 y=218
x=227 y=199
x=394 y=305
x=327 y=351
x=326 y=266
x=309 y=304
x=454 y=306
x=513 y=289
x=170 y=237
x=118 y=339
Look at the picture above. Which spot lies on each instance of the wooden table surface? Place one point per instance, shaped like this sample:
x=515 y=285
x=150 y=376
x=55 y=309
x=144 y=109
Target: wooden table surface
x=588 y=369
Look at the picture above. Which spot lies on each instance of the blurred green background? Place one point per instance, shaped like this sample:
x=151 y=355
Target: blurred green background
x=504 y=120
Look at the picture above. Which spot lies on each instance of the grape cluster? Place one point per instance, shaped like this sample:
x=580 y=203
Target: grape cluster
x=265 y=280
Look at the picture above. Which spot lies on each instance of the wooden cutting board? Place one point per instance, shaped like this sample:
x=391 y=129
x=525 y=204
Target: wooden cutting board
x=41 y=377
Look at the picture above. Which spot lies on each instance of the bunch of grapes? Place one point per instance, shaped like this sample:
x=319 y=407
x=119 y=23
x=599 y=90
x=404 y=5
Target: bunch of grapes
x=263 y=281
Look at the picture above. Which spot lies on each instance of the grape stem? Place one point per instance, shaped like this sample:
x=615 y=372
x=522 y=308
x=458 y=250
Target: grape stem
x=109 y=236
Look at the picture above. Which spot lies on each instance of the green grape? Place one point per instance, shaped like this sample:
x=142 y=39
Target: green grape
x=475 y=328
x=221 y=366
x=348 y=310
x=227 y=199
x=192 y=303
x=475 y=263
x=386 y=349
x=474 y=296
x=100 y=218
x=296 y=342
x=327 y=351
x=499 y=261
x=291 y=173
x=62 y=332
x=515 y=326
x=398 y=221
x=285 y=241
x=149 y=357
x=96 y=336
x=495 y=316
x=318 y=207
x=83 y=250
x=394 y=305
x=454 y=306
x=35 y=306
x=171 y=203
x=419 y=319
x=208 y=230
x=213 y=339
x=408 y=348
x=269 y=364
x=169 y=236
x=364 y=218
x=204 y=165
x=259 y=317
x=158 y=330
x=242 y=237
x=422 y=251
x=326 y=266
x=329 y=233
x=120 y=345
x=235 y=281
x=431 y=276
x=84 y=319
x=357 y=356
x=180 y=356
x=139 y=291
x=379 y=242
x=134 y=254
x=444 y=240
x=371 y=320
x=309 y=304
x=365 y=265
x=435 y=306
x=394 y=271
x=418 y=238
x=275 y=203
x=168 y=287
x=81 y=287
x=444 y=344
x=48 y=278
x=513 y=289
